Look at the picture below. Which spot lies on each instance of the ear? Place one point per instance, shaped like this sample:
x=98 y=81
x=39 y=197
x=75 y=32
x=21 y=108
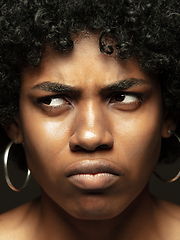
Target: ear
x=13 y=130
x=170 y=122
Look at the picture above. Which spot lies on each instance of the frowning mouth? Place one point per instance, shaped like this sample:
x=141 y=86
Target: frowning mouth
x=93 y=174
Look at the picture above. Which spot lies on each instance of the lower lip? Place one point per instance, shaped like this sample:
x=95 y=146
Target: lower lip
x=93 y=181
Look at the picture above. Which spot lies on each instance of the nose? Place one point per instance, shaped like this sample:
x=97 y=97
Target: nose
x=91 y=129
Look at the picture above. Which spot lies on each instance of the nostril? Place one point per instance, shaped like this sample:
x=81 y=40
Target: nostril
x=90 y=149
x=81 y=148
x=104 y=146
x=78 y=148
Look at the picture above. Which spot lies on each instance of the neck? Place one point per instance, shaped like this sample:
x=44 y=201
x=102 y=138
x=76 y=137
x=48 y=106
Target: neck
x=127 y=225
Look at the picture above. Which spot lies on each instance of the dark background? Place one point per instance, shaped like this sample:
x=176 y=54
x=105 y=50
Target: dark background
x=10 y=199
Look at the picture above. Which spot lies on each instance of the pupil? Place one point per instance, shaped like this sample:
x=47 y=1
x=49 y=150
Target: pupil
x=47 y=101
x=119 y=98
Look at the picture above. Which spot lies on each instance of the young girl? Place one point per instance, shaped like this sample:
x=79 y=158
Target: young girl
x=91 y=90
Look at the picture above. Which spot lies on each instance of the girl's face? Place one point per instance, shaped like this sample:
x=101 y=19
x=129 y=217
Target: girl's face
x=91 y=128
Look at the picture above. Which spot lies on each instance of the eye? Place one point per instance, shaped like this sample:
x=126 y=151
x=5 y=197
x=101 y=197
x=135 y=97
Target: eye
x=53 y=104
x=125 y=98
x=126 y=101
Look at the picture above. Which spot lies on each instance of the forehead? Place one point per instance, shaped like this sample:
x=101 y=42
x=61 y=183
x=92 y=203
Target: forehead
x=84 y=66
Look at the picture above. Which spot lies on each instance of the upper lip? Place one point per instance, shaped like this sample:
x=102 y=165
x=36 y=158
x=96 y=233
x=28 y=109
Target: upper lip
x=92 y=167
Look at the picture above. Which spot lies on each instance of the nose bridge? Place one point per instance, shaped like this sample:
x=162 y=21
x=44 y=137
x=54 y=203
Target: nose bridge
x=90 y=119
x=91 y=127
x=91 y=115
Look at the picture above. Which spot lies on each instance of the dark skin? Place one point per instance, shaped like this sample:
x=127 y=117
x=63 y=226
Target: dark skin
x=89 y=112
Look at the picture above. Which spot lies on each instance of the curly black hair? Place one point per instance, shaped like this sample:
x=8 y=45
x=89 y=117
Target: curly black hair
x=146 y=29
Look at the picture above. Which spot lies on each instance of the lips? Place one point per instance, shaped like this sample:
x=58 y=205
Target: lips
x=93 y=174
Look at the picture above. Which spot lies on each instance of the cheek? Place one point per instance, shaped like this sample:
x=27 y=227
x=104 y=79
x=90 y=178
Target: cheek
x=138 y=140
x=45 y=144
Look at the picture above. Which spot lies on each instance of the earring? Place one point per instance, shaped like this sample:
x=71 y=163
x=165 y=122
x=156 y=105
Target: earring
x=178 y=174
x=6 y=154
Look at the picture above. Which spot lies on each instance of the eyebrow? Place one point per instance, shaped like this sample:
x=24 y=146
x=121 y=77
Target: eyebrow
x=125 y=84
x=56 y=87
x=62 y=88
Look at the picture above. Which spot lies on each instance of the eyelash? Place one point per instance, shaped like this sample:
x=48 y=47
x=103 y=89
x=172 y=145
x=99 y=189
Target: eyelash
x=130 y=105
x=44 y=102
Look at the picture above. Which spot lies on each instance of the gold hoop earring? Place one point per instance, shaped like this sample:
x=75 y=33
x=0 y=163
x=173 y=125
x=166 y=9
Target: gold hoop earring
x=178 y=174
x=6 y=154
x=167 y=181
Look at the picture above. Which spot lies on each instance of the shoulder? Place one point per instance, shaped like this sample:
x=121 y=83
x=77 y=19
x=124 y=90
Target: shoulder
x=16 y=223
x=167 y=218
x=169 y=209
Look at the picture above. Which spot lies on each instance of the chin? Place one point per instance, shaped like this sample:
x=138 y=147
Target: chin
x=95 y=209
x=95 y=214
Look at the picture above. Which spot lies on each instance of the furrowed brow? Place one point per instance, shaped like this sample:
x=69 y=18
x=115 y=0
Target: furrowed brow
x=56 y=87
x=124 y=84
